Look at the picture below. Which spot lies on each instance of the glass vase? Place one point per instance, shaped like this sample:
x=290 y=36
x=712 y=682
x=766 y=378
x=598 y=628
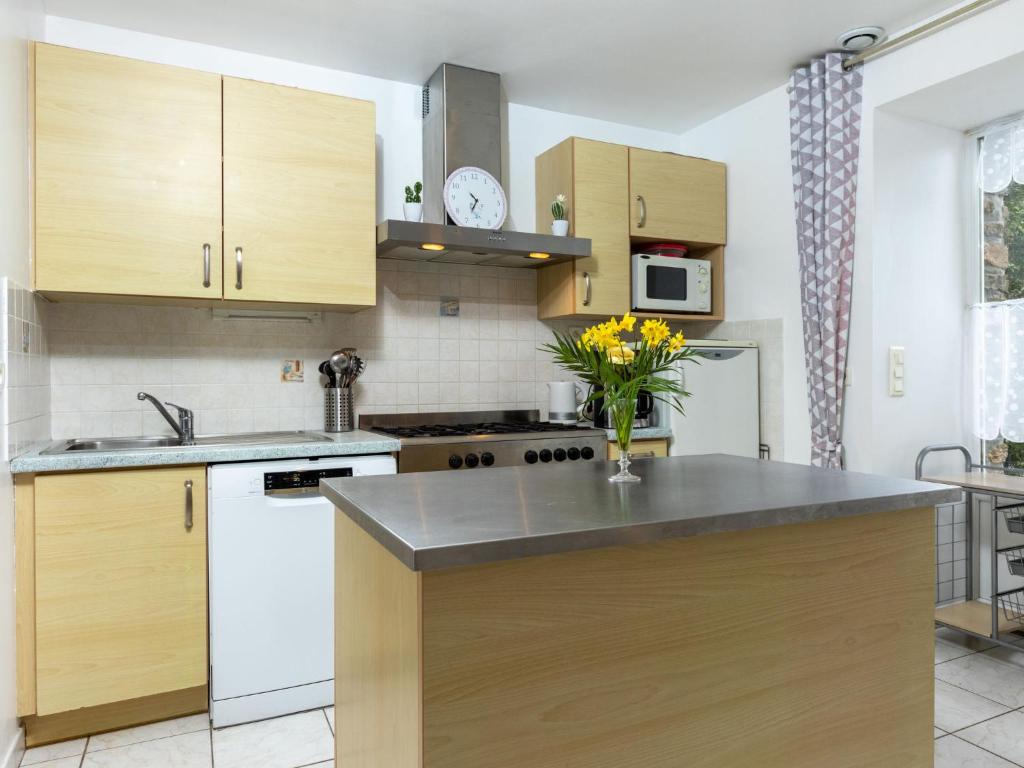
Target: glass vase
x=621 y=412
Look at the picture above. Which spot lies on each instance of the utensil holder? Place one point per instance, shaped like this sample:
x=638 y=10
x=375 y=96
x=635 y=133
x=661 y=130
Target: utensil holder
x=338 y=409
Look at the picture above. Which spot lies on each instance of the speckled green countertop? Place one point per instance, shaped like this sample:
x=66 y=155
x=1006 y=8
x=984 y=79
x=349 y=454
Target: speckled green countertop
x=340 y=444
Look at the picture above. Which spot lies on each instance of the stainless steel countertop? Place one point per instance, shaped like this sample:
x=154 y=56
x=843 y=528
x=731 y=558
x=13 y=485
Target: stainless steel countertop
x=435 y=520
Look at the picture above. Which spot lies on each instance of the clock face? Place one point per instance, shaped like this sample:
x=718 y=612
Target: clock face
x=474 y=198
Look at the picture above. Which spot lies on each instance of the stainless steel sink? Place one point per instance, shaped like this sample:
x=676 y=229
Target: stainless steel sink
x=104 y=444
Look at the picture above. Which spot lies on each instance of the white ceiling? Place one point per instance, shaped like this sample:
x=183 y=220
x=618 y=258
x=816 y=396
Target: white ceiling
x=970 y=100
x=665 y=64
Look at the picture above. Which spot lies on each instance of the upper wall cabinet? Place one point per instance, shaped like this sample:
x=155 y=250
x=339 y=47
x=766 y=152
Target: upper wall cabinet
x=676 y=198
x=156 y=181
x=593 y=175
x=299 y=199
x=127 y=176
x=623 y=198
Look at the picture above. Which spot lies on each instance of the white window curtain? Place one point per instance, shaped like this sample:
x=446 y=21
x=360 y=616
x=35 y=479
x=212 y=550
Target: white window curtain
x=996 y=328
x=997 y=370
x=1002 y=157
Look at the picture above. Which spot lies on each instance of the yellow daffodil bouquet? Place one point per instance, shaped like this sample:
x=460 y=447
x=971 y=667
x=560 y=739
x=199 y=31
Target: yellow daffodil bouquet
x=619 y=368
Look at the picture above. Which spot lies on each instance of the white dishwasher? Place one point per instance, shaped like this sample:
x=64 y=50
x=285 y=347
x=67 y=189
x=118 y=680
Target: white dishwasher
x=271 y=550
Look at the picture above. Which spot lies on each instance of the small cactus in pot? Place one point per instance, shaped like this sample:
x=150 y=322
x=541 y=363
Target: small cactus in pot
x=559 y=211
x=413 y=206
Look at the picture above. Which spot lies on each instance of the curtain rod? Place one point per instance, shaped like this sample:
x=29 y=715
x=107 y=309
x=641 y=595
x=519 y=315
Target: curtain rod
x=923 y=30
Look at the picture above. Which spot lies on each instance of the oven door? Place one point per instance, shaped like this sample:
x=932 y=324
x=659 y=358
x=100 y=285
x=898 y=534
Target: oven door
x=671 y=284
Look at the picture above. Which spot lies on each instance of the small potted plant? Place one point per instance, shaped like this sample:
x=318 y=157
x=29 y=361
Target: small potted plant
x=413 y=206
x=560 y=224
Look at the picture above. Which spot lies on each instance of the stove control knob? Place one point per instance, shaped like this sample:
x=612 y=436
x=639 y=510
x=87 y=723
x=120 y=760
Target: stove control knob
x=472 y=460
x=487 y=459
x=531 y=457
x=454 y=461
x=574 y=453
x=559 y=454
x=545 y=455
x=587 y=452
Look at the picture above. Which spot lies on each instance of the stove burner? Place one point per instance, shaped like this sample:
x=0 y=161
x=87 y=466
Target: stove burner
x=483 y=428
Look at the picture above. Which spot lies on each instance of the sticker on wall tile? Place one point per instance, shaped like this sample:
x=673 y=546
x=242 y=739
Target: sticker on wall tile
x=291 y=371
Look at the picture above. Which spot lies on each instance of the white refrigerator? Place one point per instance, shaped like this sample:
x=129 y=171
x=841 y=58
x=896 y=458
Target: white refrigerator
x=723 y=414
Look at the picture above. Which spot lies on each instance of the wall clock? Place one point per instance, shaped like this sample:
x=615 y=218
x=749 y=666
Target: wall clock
x=474 y=198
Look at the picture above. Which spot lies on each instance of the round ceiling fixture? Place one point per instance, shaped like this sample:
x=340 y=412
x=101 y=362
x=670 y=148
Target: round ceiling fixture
x=860 y=38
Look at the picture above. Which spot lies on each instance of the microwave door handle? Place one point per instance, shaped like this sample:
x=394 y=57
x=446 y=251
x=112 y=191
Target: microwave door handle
x=586 y=295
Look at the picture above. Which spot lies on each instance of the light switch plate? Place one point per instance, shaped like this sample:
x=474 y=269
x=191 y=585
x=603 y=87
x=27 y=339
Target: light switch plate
x=897 y=371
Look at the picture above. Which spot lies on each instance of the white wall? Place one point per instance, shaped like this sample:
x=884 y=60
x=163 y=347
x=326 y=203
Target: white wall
x=908 y=278
x=761 y=266
x=19 y=20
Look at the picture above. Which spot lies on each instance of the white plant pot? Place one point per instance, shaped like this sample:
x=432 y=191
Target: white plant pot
x=560 y=227
x=413 y=211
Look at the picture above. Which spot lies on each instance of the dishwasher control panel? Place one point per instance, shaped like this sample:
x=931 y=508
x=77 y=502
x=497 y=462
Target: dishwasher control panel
x=301 y=480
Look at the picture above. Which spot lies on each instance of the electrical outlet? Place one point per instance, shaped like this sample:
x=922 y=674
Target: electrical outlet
x=897 y=371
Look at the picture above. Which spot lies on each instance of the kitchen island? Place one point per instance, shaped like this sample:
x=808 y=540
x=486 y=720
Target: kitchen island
x=723 y=612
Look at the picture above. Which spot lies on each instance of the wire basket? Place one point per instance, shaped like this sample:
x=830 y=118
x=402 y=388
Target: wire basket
x=1015 y=560
x=1013 y=606
x=1014 y=515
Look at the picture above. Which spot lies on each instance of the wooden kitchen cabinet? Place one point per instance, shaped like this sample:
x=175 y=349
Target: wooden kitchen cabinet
x=594 y=176
x=683 y=201
x=676 y=198
x=164 y=183
x=120 y=591
x=641 y=449
x=299 y=196
x=127 y=176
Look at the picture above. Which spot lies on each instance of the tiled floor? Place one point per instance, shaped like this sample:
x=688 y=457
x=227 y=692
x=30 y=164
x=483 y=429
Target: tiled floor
x=979 y=723
x=305 y=739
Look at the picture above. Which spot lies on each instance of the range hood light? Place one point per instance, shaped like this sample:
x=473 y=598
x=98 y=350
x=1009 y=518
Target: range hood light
x=432 y=247
x=539 y=255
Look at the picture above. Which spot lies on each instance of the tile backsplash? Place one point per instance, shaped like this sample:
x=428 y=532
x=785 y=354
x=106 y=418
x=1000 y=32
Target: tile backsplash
x=228 y=370
x=26 y=369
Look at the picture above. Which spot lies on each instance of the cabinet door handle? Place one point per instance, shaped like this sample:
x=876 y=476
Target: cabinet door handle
x=586 y=295
x=188 y=505
x=643 y=211
x=238 y=269
x=206 y=265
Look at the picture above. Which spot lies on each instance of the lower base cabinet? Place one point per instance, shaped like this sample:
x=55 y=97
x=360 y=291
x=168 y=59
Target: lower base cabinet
x=641 y=449
x=113 y=596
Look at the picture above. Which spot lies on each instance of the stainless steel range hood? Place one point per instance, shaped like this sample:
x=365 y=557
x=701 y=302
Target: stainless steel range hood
x=462 y=126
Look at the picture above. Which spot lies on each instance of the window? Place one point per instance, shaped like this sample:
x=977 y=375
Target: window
x=999 y=318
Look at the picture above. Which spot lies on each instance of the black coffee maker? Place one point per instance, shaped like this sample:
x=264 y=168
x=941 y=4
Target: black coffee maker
x=596 y=412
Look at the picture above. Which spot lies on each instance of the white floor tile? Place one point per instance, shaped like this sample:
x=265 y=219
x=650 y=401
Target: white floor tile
x=284 y=742
x=953 y=637
x=330 y=716
x=987 y=676
x=948 y=651
x=1003 y=735
x=149 y=732
x=951 y=752
x=62 y=762
x=189 y=750
x=73 y=748
x=956 y=708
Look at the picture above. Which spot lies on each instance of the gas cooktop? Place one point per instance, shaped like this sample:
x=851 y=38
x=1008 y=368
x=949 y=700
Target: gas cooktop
x=471 y=439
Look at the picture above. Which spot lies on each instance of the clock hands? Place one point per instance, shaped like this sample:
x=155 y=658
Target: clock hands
x=475 y=202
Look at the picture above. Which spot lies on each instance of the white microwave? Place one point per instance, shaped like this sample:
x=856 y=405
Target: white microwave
x=671 y=284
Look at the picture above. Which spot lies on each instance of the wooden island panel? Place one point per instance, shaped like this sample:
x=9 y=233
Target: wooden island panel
x=792 y=646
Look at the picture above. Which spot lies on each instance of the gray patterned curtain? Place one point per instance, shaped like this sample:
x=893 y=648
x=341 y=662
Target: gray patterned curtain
x=824 y=123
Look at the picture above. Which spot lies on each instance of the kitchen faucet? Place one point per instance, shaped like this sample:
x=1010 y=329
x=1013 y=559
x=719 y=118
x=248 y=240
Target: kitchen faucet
x=183 y=426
